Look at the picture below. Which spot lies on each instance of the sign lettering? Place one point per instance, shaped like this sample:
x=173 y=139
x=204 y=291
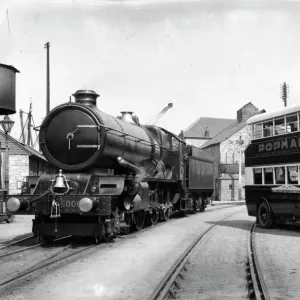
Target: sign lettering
x=287 y=145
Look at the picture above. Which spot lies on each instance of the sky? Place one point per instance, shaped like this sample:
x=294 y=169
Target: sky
x=209 y=57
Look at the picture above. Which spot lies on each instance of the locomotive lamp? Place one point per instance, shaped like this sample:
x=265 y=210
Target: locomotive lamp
x=7 y=124
x=87 y=204
x=15 y=204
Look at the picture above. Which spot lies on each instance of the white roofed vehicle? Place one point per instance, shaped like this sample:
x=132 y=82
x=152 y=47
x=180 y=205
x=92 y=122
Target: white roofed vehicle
x=272 y=162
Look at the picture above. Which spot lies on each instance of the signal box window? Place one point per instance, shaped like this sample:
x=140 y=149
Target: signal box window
x=257 y=131
x=279 y=175
x=268 y=128
x=292 y=173
x=257 y=176
x=279 y=126
x=292 y=123
x=268 y=175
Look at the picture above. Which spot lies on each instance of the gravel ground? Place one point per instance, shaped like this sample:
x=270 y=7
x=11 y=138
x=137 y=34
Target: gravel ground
x=20 y=227
x=278 y=254
x=130 y=268
x=217 y=265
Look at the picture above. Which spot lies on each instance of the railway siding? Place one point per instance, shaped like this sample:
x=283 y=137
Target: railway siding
x=216 y=268
x=130 y=268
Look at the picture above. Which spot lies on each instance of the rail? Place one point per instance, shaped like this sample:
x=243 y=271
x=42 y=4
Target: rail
x=256 y=284
x=62 y=255
x=163 y=290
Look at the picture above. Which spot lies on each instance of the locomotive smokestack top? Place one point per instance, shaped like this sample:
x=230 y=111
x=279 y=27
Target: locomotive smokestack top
x=86 y=97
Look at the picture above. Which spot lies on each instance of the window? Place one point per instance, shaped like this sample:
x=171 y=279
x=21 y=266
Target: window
x=257 y=176
x=292 y=174
x=257 y=131
x=279 y=126
x=291 y=123
x=280 y=175
x=268 y=175
x=268 y=128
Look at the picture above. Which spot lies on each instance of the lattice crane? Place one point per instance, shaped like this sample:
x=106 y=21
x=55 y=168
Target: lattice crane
x=26 y=129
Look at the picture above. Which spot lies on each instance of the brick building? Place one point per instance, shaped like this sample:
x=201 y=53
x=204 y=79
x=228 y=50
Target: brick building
x=23 y=161
x=226 y=148
x=204 y=129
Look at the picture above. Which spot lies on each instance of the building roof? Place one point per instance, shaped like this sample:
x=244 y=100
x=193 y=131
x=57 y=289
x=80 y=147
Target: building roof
x=236 y=126
x=214 y=126
x=26 y=148
x=225 y=134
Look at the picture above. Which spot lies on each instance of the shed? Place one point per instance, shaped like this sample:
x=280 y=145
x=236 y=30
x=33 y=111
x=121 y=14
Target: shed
x=229 y=187
x=23 y=161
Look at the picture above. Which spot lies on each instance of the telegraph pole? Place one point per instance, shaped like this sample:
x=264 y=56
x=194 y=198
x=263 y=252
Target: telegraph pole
x=284 y=93
x=47 y=46
x=29 y=137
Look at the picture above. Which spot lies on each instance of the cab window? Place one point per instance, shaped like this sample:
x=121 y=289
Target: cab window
x=268 y=128
x=257 y=176
x=292 y=174
x=279 y=126
x=268 y=175
x=280 y=175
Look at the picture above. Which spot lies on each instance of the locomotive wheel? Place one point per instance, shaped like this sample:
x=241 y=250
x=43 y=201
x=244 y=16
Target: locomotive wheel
x=154 y=217
x=10 y=219
x=184 y=213
x=196 y=205
x=265 y=216
x=166 y=214
x=107 y=238
x=202 y=206
x=139 y=219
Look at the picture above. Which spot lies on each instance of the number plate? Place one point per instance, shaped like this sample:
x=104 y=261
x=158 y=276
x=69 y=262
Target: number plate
x=69 y=206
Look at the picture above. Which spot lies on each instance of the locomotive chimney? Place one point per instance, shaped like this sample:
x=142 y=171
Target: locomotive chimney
x=86 y=97
x=127 y=116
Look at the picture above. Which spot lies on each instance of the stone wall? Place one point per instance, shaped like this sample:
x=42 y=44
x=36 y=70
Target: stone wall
x=18 y=170
x=230 y=149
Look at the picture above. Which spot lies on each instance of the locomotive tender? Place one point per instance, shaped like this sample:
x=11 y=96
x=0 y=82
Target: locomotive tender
x=114 y=174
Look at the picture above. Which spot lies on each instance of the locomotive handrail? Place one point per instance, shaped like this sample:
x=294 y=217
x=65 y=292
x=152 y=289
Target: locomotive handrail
x=39 y=197
x=138 y=140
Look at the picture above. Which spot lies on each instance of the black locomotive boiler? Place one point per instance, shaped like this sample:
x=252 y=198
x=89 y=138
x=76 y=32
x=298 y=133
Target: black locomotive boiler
x=113 y=174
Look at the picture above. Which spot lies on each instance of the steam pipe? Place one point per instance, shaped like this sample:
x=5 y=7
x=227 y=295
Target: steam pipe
x=124 y=163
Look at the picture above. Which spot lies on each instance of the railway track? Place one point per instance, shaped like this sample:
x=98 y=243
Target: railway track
x=256 y=284
x=63 y=254
x=17 y=242
x=24 y=248
x=257 y=289
x=171 y=282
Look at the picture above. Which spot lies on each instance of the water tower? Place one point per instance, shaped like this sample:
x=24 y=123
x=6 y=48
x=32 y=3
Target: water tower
x=7 y=107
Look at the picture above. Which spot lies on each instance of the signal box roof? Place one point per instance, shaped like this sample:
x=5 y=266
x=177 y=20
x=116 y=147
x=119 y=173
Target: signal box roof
x=273 y=114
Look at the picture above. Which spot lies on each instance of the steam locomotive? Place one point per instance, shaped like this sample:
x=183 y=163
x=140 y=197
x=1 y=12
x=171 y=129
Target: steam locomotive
x=114 y=174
